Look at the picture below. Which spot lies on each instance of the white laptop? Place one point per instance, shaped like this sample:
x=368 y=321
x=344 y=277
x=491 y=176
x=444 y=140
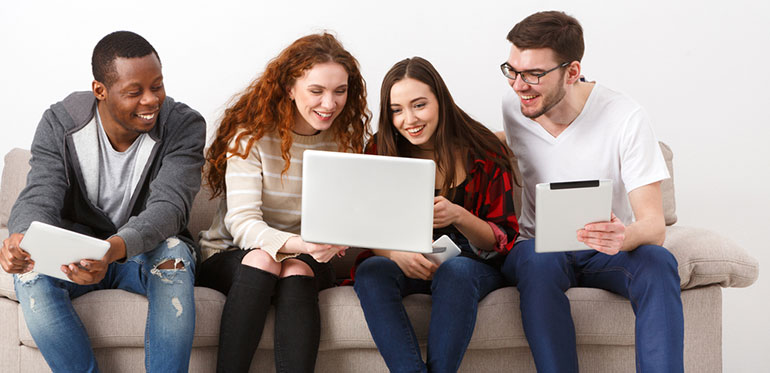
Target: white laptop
x=368 y=201
x=51 y=247
x=564 y=208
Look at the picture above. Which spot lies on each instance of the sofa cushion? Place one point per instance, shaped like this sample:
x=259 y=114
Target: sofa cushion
x=115 y=318
x=6 y=280
x=706 y=258
x=667 y=186
x=14 y=179
x=202 y=212
x=6 y=286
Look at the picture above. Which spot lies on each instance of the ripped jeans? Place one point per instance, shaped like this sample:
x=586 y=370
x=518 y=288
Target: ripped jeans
x=61 y=337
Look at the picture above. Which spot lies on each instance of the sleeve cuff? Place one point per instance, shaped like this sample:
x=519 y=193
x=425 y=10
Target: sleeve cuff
x=133 y=240
x=501 y=238
x=276 y=243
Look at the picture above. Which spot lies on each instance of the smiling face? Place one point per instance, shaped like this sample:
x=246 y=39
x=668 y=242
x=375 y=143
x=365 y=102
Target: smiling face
x=130 y=105
x=319 y=95
x=537 y=100
x=414 y=110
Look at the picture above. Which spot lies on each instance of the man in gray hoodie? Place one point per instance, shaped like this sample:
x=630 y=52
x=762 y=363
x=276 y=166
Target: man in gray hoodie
x=120 y=163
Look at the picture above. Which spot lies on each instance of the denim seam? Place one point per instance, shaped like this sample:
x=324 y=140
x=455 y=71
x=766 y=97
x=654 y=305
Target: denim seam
x=405 y=317
x=147 y=349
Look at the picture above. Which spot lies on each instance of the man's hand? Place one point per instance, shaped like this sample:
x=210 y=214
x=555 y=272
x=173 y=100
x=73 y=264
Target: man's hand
x=605 y=237
x=89 y=271
x=414 y=265
x=12 y=258
x=445 y=212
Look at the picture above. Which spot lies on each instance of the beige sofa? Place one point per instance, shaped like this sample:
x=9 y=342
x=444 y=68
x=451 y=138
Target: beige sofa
x=604 y=322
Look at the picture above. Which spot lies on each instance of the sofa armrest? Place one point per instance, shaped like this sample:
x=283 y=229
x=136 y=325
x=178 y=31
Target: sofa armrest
x=707 y=258
x=6 y=280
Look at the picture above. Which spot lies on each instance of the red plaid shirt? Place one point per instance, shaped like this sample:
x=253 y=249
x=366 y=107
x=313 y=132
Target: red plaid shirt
x=488 y=195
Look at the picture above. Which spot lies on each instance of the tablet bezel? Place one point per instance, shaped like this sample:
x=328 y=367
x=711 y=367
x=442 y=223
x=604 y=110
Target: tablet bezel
x=562 y=208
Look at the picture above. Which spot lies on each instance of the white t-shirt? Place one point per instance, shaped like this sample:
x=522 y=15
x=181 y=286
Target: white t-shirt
x=610 y=139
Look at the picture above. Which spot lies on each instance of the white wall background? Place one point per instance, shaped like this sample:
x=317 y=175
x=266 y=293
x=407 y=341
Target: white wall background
x=700 y=69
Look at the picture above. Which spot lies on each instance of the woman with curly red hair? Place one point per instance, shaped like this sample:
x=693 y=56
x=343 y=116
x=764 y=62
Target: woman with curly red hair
x=312 y=96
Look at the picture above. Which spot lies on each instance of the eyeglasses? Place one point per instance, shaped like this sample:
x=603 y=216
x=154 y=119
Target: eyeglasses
x=528 y=77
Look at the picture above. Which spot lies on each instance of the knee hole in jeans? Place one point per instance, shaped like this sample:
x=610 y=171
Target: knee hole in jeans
x=167 y=269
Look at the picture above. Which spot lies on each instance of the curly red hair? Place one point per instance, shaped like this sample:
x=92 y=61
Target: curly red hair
x=264 y=107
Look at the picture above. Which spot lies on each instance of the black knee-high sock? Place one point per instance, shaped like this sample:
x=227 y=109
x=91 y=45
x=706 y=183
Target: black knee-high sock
x=297 y=324
x=243 y=318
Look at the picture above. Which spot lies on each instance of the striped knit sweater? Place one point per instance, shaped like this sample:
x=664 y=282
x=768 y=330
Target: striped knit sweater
x=262 y=208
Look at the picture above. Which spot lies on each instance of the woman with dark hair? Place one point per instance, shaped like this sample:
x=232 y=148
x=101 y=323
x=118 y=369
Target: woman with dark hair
x=473 y=206
x=312 y=96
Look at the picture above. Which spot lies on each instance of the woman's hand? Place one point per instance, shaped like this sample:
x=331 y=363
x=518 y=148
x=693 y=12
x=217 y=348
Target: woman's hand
x=414 y=265
x=445 y=212
x=323 y=253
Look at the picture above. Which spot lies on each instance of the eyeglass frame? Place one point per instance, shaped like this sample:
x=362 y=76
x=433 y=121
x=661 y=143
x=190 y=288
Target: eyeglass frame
x=505 y=66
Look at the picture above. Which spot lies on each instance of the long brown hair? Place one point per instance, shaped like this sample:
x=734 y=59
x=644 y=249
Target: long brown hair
x=264 y=107
x=457 y=134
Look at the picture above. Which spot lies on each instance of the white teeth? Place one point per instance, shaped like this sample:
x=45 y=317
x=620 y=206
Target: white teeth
x=528 y=97
x=415 y=129
x=327 y=115
x=146 y=116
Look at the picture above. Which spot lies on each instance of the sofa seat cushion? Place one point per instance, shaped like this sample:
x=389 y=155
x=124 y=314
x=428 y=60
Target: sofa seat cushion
x=600 y=318
x=116 y=318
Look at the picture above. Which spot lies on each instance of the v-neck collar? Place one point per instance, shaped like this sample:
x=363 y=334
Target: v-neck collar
x=545 y=135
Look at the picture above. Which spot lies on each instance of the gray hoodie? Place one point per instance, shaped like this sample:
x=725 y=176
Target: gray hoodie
x=64 y=172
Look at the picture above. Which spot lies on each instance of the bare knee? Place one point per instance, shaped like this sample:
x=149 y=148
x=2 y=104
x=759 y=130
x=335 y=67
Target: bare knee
x=295 y=267
x=262 y=260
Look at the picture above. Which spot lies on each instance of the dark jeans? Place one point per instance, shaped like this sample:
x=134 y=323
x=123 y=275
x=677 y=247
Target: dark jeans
x=456 y=289
x=250 y=292
x=647 y=276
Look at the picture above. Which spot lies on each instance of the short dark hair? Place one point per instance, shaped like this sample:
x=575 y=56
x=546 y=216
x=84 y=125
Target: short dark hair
x=552 y=29
x=125 y=44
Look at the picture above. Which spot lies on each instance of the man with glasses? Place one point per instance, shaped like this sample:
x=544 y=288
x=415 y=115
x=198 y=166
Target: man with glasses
x=562 y=128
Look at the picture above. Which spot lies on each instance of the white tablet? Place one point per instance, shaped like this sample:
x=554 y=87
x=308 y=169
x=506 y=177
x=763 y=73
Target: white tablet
x=51 y=247
x=561 y=209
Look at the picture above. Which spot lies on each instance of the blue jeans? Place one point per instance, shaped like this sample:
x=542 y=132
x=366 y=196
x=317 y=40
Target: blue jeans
x=59 y=333
x=457 y=286
x=647 y=276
